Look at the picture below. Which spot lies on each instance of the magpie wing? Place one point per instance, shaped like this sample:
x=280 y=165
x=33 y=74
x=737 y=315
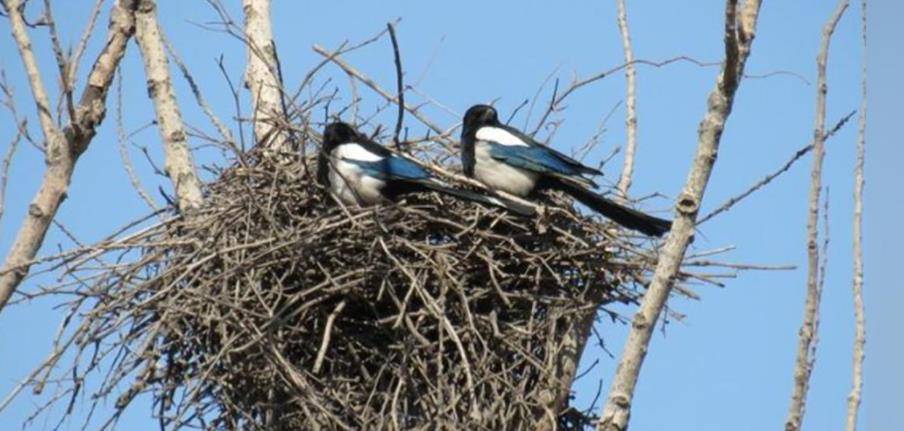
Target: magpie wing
x=575 y=165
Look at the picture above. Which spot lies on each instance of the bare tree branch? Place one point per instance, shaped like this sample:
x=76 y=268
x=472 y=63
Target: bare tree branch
x=52 y=134
x=768 y=178
x=400 y=87
x=123 y=138
x=859 y=313
x=808 y=330
x=624 y=182
x=63 y=149
x=179 y=164
x=261 y=76
x=740 y=28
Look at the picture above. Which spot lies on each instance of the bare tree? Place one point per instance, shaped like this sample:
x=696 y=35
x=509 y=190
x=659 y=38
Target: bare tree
x=62 y=147
x=740 y=29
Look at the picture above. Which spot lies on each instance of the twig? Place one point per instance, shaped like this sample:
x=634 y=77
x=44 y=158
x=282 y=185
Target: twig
x=740 y=27
x=4 y=169
x=624 y=182
x=199 y=98
x=768 y=178
x=124 y=152
x=853 y=401
x=375 y=87
x=76 y=56
x=808 y=330
x=325 y=343
x=61 y=61
x=399 y=86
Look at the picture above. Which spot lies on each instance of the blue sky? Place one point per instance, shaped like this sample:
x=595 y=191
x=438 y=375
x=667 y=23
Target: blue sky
x=728 y=364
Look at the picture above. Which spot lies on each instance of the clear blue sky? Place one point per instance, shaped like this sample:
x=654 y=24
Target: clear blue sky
x=728 y=365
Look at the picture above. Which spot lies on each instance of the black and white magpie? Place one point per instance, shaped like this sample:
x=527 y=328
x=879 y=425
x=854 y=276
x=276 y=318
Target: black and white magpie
x=503 y=158
x=359 y=171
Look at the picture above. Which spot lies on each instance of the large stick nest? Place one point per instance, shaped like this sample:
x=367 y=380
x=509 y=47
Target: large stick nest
x=273 y=307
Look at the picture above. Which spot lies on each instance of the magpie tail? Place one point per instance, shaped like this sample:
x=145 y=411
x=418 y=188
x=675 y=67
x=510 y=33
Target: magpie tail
x=627 y=217
x=508 y=205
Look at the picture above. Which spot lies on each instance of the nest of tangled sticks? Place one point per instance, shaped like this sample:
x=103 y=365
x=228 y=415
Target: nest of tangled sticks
x=274 y=308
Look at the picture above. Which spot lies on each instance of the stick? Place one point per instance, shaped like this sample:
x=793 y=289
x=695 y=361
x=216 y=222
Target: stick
x=400 y=87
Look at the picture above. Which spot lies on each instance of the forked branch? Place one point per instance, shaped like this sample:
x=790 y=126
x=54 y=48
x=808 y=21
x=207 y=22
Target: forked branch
x=62 y=148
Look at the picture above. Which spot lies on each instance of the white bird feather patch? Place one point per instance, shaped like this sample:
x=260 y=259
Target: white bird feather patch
x=499 y=136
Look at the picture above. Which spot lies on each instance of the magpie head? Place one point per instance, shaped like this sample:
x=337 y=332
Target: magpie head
x=480 y=115
x=338 y=133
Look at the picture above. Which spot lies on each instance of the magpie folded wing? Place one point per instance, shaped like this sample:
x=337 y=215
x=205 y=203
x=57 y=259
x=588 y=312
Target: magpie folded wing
x=392 y=168
x=540 y=160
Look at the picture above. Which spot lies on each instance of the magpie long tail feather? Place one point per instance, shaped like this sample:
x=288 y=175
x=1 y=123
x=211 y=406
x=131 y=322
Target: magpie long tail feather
x=627 y=217
x=509 y=205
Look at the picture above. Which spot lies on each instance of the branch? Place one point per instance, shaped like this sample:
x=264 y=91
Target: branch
x=740 y=30
x=768 y=178
x=62 y=155
x=859 y=319
x=624 y=182
x=261 y=76
x=52 y=134
x=399 y=86
x=370 y=83
x=808 y=330
x=179 y=164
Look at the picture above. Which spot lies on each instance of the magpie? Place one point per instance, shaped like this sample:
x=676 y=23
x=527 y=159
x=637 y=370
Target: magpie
x=361 y=172
x=503 y=158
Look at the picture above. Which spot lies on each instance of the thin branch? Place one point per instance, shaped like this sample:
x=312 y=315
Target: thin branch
x=18 y=27
x=62 y=155
x=199 y=98
x=768 y=178
x=400 y=92
x=624 y=182
x=179 y=163
x=740 y=28
x=379 y=90
x=4 y=169
x=61 y=60
x=808 y=330
x=124 y=152
x=76 y=56
x=853 y=401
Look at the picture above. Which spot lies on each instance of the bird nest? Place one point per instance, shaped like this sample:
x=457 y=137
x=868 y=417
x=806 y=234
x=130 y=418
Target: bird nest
x=273 y=307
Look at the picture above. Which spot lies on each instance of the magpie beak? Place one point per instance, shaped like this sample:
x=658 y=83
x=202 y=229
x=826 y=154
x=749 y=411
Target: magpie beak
x=361 y=172
x=504 y=158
